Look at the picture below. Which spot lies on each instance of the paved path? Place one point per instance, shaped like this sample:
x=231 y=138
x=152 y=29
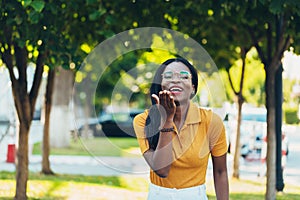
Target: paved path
x=86 y=165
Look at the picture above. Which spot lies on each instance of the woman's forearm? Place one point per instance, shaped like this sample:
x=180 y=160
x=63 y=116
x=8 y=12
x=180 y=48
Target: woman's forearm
x=221 y=185
x=161 y=158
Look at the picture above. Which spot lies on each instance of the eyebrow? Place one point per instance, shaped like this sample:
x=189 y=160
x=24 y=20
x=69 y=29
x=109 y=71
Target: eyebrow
x=181 y=71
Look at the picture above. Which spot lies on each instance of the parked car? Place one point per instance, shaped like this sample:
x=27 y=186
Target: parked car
x=253 y=128
x=118 y=124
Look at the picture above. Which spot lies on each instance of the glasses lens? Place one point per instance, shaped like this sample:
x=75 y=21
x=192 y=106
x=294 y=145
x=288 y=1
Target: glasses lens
x=184 y=75
x=168 y=75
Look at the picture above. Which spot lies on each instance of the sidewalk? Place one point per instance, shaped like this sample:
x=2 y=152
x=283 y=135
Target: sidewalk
x=122 y=166
x=86 y=165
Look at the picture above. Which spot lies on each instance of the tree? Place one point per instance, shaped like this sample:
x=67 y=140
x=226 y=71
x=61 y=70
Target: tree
x=17 y=22
x=47 y=104
x=29 y=35
x=271 y=36
x=240 y=101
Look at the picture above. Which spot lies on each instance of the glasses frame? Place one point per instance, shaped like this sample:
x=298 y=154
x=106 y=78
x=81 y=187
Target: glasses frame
x=183 y=75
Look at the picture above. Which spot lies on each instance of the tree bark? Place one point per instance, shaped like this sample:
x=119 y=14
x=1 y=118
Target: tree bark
x=25 y=105
x=22 y=162
x=237 y=152
x=60 y=112
x=46 y=141
x=240 y=101
x=271 y=134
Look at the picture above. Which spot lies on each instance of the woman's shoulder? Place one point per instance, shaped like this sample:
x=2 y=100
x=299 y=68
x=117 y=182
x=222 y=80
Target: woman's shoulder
x=141 y=118
x=210 y=115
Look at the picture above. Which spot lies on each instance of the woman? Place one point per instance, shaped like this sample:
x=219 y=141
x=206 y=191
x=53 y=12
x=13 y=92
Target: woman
x=176 y=137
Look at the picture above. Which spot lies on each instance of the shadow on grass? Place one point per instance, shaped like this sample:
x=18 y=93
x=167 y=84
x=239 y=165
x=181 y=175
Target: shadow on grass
x=247 y=196
x=102 y=180
x=44 y=198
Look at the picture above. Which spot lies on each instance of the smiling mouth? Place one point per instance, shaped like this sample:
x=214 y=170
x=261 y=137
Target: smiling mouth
x=175 y=90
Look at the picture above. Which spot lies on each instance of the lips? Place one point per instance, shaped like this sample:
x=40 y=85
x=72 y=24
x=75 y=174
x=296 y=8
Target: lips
x=175 y=89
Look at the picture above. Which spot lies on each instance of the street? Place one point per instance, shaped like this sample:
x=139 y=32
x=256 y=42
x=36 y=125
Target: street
x=291 y=174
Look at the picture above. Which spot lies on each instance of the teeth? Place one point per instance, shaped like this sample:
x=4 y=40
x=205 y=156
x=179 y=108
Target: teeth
x=176 y=89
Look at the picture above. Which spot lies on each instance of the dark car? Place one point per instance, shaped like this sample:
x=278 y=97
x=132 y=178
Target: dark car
x=118 y=124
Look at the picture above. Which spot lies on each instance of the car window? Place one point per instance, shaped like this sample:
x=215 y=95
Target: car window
x=255 y=117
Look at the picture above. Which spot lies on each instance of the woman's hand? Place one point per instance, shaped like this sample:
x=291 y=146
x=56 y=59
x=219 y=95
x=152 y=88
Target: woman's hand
x=166 y=105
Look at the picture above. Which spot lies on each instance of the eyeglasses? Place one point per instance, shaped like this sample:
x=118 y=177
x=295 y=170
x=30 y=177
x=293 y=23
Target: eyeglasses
x=182 y=75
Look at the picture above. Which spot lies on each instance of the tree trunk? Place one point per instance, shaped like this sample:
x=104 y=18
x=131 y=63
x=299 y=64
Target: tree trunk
x=237 y=152
x=46 y=142
x=60 y=112
x=271 y=134
x=22 y=162
x=278 y=122
x=240 y=101
x=25 y=105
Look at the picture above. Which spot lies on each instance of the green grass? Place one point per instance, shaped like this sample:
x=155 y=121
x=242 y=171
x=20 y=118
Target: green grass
x=101 y=146
x=63 y=187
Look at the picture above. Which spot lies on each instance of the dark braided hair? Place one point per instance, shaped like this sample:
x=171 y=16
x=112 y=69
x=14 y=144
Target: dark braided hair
x=153 y=119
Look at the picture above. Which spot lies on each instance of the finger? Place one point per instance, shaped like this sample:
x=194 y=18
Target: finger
x=169 y=99
x=163 y=98
x=155 y=97
x=172 y=102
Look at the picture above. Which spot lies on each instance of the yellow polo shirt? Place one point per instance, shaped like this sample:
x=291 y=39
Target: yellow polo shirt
x=202 y=133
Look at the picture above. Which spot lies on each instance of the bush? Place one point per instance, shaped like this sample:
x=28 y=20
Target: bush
x=291 y=116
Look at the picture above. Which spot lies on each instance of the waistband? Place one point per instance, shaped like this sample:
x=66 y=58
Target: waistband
x=198 y=188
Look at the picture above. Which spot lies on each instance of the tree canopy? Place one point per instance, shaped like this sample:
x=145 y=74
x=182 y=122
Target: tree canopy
x=62 y=33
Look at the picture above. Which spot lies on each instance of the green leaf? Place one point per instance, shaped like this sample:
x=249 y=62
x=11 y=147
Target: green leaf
x=18 y=20
x=106 y=33
x=65 y=66
x=21 y=43
x=89 y=2
x=110 y=20
x=34 y=17
x=38 y=6
x=97 y=14
x=27 y=3
x=276 y=6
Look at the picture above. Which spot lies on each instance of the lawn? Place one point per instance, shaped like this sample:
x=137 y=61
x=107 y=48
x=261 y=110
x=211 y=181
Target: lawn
x=131 y=187
x=62 y=187
x=100 y=146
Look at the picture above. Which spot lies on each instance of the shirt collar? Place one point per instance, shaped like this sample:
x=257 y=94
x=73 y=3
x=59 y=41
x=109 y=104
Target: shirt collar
x=193 y=115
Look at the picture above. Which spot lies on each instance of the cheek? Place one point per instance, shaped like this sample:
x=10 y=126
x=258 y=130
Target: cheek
x=164 y=86
x=189 y=86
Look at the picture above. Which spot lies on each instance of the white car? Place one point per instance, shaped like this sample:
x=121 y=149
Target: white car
x=253 y=128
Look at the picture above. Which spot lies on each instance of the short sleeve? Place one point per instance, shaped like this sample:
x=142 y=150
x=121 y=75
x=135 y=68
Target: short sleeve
x=217 y=136
x=139 y=128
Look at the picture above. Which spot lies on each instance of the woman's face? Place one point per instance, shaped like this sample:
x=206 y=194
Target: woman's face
x=177 y=79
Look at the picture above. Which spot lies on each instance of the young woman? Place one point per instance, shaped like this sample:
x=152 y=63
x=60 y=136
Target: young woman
x=176 y=137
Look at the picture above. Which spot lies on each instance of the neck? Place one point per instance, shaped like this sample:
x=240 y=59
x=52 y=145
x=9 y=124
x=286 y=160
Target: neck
x=180 y=114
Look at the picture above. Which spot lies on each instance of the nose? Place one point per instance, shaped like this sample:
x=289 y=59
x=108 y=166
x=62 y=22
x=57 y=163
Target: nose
x=176 y=77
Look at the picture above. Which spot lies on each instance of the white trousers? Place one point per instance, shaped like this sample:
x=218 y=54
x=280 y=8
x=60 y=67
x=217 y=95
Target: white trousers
x=162 y=193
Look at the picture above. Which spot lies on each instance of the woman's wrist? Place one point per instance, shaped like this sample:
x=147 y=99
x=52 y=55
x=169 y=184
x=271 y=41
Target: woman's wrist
x=165 y=130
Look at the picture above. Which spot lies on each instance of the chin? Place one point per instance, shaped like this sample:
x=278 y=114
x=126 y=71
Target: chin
x=178 y=102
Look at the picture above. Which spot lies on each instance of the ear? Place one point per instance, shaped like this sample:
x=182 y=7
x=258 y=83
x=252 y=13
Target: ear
x=193 y=93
